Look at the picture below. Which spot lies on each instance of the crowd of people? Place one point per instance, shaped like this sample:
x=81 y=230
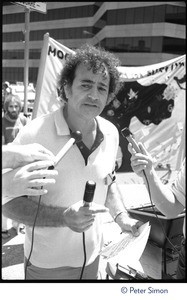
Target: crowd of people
x=63 y=237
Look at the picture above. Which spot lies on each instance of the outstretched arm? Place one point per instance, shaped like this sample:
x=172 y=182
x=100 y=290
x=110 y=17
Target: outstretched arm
x=118 y=211
x=15 y=156
x=23 y=210
x=161 y=195
x=77 y=217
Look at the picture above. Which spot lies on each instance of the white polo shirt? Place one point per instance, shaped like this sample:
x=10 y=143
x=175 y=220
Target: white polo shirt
x=60 y=246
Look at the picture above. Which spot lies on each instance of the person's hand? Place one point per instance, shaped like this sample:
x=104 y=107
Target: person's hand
x=140 y=161
x=128 y=224
x=79 y=218
x=19 y=155
x=28 y=180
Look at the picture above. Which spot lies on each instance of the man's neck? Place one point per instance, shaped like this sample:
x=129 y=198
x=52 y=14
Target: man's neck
x=88 y=128
x=75 y=123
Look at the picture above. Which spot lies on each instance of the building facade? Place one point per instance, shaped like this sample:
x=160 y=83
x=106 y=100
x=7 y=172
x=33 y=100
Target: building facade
x=140 y=33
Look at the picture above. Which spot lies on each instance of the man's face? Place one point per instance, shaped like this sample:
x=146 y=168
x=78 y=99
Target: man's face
x=13 y=110
x=89 y=92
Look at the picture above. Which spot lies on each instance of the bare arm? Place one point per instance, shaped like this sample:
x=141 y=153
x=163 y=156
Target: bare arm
x=76 y=217
x=161 y=195
x=23 y=210
x=115 y=204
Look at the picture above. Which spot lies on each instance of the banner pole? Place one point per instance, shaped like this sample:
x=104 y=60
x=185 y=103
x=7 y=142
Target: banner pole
x=41 y=74
x=26 y=59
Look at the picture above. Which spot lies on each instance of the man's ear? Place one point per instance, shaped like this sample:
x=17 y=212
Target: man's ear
x=111 y=97
x=67 y=90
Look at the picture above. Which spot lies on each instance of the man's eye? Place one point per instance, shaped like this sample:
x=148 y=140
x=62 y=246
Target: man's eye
x=102 y=89
x=86 y=86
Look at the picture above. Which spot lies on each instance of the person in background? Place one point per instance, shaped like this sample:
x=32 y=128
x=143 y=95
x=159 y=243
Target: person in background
x=170 y=200
x=6 y=90
x=12 y=122
x=87 y=82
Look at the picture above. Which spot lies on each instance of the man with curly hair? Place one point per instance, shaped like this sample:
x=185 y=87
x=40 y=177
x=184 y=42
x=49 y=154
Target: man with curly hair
x=56 y=250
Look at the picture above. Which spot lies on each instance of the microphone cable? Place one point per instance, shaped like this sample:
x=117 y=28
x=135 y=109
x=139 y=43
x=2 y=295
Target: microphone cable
x=33 y=228
x=32 y=236
x=76 y=137
x=84 y=250
x=129 y=136
x=87 y=199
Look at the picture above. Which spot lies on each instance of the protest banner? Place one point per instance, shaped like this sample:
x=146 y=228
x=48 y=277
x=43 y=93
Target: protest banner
x=53 y=56
x=151 y=102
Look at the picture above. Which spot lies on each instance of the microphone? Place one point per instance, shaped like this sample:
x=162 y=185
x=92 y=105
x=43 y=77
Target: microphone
x=128 y=135
x=76 y=137
x=89 y=193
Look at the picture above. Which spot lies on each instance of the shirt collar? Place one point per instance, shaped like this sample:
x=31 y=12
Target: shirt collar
x=62 y=126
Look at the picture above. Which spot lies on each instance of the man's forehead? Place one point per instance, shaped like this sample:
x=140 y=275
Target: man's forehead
x=102 y=70
x=13 y=102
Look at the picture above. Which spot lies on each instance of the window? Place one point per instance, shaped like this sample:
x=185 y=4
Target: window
x=121 y=16
x=128 y=44
x=130 y=16
x=19 y=54
x=148 y=14
x=134 y=44
x=64 y=13
x=13 y=18
x=120 y=44
x=34 y=53
x=13 y=54
x=13 y=37
x=174 y=45
x=143 y=44
x=111 y=17
x=159 y=13
x=156 y=44
x=175 y=14
x=138 y=15
x=10 y=74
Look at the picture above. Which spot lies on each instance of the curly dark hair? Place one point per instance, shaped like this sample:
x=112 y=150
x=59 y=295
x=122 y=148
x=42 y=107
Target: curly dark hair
x=94 y=58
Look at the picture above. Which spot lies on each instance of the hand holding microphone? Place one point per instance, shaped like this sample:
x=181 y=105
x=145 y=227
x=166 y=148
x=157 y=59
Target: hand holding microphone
x=128 y=135
x=89 y=193
x=141 y=160
x=80 y=216
x=76 y=137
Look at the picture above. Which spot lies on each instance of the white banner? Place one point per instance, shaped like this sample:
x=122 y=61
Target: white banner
x=51 y=63
x=151 y=102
